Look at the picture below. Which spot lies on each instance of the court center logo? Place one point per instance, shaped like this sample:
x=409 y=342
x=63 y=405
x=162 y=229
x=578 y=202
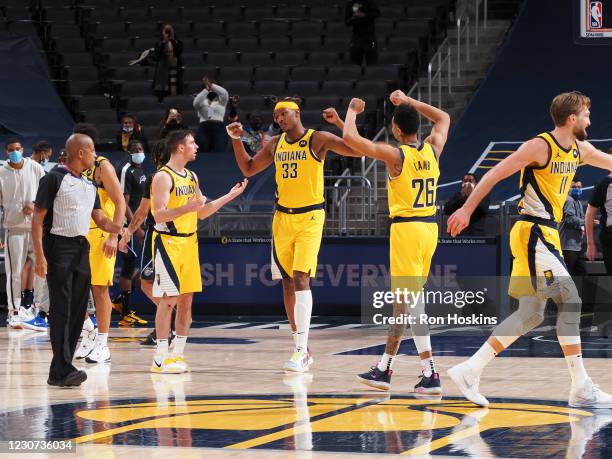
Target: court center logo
x=348 y=423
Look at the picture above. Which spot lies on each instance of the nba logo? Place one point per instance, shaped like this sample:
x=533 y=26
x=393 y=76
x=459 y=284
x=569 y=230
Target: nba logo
x=596 y=15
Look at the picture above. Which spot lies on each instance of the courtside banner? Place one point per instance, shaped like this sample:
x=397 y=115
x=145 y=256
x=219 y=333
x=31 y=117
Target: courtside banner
x=236 y=270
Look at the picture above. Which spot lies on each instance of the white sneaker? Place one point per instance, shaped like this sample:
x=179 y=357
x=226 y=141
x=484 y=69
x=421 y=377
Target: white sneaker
x=99 y=354
x=14 y=321
x=88 y=340
x=467 y=381
x=167 y=365
x=26 y=314
x=589 y=396
x=298 y=362
x=181 y=363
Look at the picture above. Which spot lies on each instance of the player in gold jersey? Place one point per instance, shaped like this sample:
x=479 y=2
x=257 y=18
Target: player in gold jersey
x=176 y=204
x=547 y=164
x=413 y=176
x=102 y=257
x=298 y=155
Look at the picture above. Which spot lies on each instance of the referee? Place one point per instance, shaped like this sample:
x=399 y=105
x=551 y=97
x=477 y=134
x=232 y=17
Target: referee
x=64 y=203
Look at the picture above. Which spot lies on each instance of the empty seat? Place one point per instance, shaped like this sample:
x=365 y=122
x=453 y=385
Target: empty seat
x=83 y=87
x=307 y=43
x=304 y=88
x=120 y=59
x=241 y=28
x=377 y=88
x=402 y=43
x=116 y=45
x=94 y=103
x=243 y=44
x=269 y=87
x=136 y=88
x=142 y=43
x=150 y=117
x=275 y=43
x=248 y=102
x=236 y=87
x=69 y=45
x=236 y=72
x=227 y=13
x=337 y=43
x=327 y=13
x=197 y=73
x=136 y=15
x=323 y=58
x=308 y=72
x=107 y=116
x=337 y=29
x=107 y=132
x=146 y=29
x=259 y=58
x=64 y=31
x=340 y=88
x=77 y=59
x=272 y=72
x=344 y=72
x=272 y=28
x=221 y=58
x=86 y=72
x=307 y=28
x=112 y=30
x=212 y=44
x=170 y=15
x=133 y=73
x=321 y=102
x=255 y=13
x=312 y=118
x=381 y=73
x=291 y=12
x=393 y=57
x=142 y=103
x=289 y=58
x=392 y=11
x=192 y=58
x=184 y=102
x=210 y=28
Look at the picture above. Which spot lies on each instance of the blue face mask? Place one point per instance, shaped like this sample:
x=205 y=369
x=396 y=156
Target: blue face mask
x=138 y=158
x=43 y=162
x=15 y=156
x=576 y=193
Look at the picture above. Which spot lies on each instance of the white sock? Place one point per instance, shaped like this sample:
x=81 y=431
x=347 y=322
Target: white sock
x=179 y=345
x=428 y=366
x=294 y=336
x=303 y=311
x=575 y=366
x=161 y=351
x=102 y=339
x=386 y=362
x=88 y=324
x=481 y=358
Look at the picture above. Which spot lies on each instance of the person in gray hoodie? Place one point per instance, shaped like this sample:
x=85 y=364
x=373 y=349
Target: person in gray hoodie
x=19 y=179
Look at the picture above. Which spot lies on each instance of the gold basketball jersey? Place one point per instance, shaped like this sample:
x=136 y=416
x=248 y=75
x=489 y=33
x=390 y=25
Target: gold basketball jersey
x=106 y=203
x=184 y=187
x=544 y=189
x=299 y=172
x=413 y=192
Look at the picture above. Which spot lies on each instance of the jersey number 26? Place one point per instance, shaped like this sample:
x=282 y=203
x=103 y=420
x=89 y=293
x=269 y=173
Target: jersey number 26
x=429 y=186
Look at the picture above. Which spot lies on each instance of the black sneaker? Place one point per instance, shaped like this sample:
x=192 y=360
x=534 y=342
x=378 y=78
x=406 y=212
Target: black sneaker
x=149 y=340
x=74 y=379
x=429 y=385
x=376 y=378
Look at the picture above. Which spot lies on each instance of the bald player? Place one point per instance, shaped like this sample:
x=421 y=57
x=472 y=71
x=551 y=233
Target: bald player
x=298 y=155
x=65 y=202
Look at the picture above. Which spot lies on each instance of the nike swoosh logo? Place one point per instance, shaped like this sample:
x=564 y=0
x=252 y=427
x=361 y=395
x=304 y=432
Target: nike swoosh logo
x=468 y=385
x=158 y=364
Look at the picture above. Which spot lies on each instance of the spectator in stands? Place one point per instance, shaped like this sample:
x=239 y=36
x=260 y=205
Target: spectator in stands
x=172 y=121
x=601 y=200
x=42 y=153
x=62 y=157
x=210 y=106
x=572 y=231
x=254 y=137
x=130 y=131
x=168 y=78
x=361 y=16
x=468 y=183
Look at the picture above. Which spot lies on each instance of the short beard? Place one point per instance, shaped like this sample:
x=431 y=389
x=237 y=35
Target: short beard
x=581 y=135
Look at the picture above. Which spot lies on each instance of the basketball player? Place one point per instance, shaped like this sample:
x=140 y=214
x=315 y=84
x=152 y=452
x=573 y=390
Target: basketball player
x=102 y=256
x=547 y=163
x=159 y=157
x=413 y=176
x=177 y=203
x=298 y=155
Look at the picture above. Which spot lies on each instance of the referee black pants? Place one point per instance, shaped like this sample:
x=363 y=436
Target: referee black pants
x=69 y=281
x=605 y=239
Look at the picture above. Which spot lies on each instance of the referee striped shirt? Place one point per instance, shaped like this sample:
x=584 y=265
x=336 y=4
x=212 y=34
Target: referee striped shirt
x=69 y=200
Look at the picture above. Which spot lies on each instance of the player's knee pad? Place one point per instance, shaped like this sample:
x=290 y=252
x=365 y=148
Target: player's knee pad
x=528 y=316
x=569 y=305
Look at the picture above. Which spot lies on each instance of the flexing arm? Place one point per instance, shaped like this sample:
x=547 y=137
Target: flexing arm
x=323 y=141
x=439 y=118
x=532 y=151
x=591 y=155
x=160 y=191
x=377 y=150
x=331 y=116
x=250 y=165
x=40 y=268
x=589 y=226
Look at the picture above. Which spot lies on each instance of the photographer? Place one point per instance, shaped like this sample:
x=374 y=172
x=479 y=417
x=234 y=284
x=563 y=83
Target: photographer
x=468 y=183
x=172 y=121
x=168 y=52
x=210 y=106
